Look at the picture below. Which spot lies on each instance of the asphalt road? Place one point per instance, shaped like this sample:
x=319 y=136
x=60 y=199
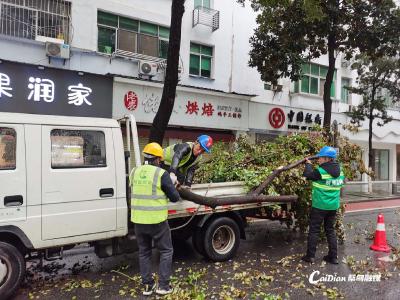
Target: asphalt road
x=267 y=266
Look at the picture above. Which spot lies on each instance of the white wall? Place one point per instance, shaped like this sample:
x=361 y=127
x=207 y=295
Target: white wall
x=231 y=72
x=84 y=40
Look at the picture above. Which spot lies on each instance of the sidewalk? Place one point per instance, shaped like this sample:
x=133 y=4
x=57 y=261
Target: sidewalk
x=372 y=204
x=351 y=197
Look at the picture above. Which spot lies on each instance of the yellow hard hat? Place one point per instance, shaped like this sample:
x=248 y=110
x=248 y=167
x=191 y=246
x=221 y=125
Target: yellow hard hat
x=153 y=149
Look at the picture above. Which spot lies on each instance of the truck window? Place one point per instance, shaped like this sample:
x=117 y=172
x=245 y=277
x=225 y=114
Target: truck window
x=77 y=149
x=8 y=148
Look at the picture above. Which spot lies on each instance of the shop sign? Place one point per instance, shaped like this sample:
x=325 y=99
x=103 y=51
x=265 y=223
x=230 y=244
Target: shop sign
x=208 y=110
x=27 y=89
x=303 y=120
x=190 y=108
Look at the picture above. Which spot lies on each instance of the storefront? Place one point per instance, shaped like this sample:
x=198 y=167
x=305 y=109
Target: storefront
x=196 y=111
x=35 y=89
x=268 y=121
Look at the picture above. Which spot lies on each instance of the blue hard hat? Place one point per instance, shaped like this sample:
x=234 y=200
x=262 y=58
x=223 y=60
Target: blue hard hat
x=327 y=151
x=205 y=142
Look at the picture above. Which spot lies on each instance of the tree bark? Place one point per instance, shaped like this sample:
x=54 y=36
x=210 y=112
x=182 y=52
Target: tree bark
x=370 y=153
x=213 y=202
x=161 y=119
x=328 y=82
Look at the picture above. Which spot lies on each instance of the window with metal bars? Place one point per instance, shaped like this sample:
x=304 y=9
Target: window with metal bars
x=32 y=18
x=117 y=32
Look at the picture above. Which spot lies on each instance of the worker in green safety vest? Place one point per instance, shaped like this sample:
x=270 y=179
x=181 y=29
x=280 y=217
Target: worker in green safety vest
x=327 y=180
x=181 y=160
x=151 y=187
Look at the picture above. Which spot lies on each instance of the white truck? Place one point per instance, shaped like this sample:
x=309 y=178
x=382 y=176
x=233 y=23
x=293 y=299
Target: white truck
x=63 y=181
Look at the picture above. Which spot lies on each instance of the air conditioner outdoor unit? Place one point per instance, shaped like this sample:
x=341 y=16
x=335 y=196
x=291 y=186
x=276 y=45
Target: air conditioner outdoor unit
x=57 y=50
x=147 y=68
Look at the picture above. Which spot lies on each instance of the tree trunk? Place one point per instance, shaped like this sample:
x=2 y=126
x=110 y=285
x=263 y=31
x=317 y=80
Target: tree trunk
x=328 y=82
x=164 y=112
x=370 y=152
x=213 y=202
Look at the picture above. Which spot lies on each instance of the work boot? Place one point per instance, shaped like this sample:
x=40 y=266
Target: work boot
x=331 y=260
x=308 y=259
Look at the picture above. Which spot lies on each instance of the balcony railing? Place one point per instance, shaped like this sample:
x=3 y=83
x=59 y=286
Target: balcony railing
x=206 y=16
x=32 y=18
x=135 y=46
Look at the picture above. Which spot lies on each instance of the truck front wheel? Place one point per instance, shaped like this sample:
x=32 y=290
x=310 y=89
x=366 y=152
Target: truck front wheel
x=12 y=270
x=221 y=239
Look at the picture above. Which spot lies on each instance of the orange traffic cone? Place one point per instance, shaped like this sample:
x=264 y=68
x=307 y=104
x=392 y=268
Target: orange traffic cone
x=380 y=243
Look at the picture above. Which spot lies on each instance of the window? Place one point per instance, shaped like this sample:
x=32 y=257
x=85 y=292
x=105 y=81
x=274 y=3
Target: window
x=267 y=86
x=203 y=3
x=77 y=149
x=381 y=164
x=200 y=60
x=313 y=80
x=29 y=19
x=8 y=148
x=384 y=94
x=116 y=32
x=344 y=97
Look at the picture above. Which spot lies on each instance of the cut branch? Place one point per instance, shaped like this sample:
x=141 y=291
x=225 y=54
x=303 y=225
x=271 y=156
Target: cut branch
x=276 y=173
x=213 y=202
x=252 y=197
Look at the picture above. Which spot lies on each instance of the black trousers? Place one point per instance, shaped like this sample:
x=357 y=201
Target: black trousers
x=161 y=235
x=328 y=217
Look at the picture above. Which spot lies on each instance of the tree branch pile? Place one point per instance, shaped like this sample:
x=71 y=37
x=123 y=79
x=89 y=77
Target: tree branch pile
x=272 y=171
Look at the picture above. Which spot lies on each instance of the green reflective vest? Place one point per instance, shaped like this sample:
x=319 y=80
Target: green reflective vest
x=148 y=201
x=169 y=154
x=326 y=192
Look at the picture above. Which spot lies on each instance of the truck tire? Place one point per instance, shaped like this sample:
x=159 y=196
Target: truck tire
x=221 y=239
x=12 y=270
x=198 y=241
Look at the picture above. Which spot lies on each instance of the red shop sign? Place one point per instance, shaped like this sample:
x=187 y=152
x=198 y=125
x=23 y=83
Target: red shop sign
x=276 y=117
x=131 y=100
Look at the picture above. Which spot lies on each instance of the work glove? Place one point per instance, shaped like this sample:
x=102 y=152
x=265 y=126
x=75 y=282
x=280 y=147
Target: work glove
x=174 y=179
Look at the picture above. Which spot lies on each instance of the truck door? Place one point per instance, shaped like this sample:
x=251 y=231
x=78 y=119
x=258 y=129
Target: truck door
x=78 y=181
x=12 y=173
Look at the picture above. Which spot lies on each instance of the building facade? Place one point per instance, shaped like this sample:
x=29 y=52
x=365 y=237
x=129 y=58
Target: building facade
x=218 y=93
